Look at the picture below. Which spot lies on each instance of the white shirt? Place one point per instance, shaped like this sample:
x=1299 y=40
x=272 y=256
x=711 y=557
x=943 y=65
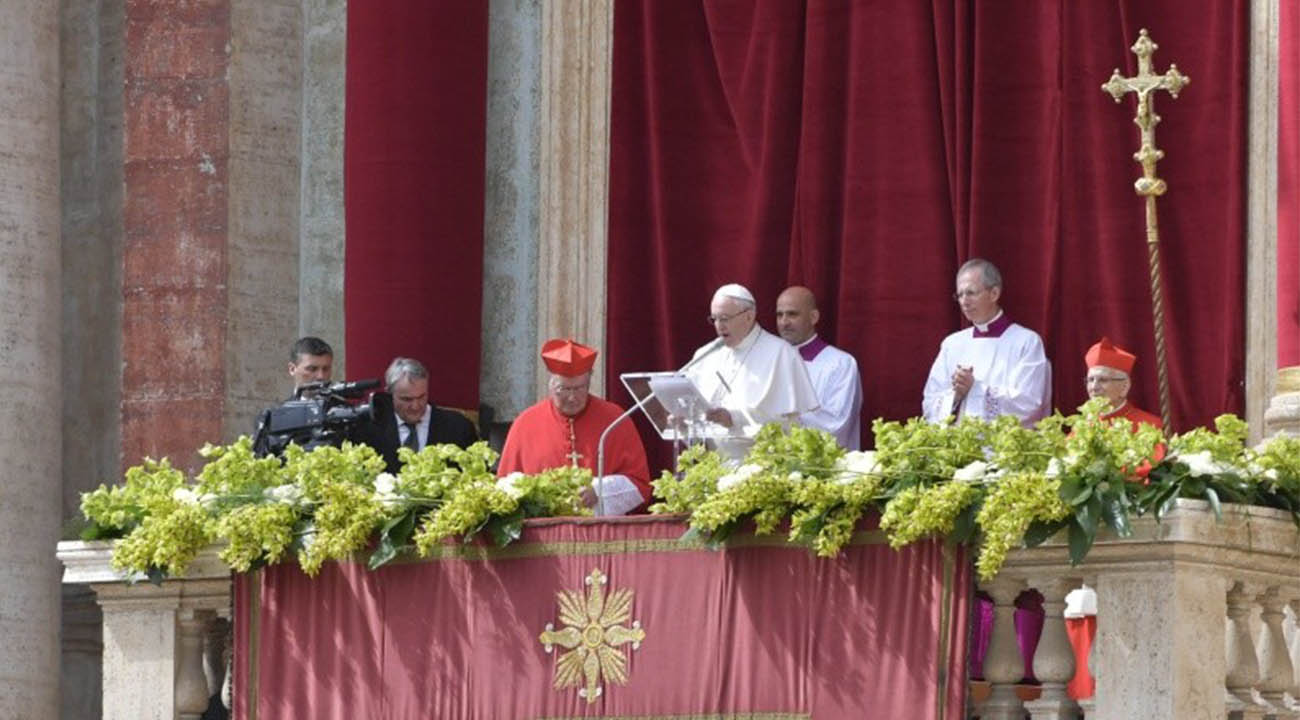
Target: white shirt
x=1012 y=374
x=835 y=377
x=421 y=428
x=761 y=380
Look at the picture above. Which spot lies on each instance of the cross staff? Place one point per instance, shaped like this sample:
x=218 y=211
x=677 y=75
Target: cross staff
x=1150 y=186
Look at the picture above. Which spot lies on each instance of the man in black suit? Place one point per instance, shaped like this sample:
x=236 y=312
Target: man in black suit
x=404 y=417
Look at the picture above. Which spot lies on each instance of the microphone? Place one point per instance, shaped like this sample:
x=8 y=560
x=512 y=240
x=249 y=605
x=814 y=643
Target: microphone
x=708 y=350
x=352 y=388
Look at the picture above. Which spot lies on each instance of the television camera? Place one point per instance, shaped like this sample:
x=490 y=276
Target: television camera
x=320 y=413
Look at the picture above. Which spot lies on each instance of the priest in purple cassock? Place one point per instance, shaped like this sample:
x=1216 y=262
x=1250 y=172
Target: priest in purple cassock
x=993 y=368
x=834 y=373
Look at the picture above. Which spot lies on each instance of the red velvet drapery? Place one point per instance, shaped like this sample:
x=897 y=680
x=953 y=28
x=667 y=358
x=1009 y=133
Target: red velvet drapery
x=414 y=173
x=866 y=149
x=1288 y=188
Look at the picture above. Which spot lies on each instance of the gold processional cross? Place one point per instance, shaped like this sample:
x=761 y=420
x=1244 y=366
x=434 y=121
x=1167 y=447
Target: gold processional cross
x=1150 y=186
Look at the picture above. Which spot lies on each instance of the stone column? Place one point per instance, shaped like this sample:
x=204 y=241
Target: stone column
x=1283 y=414
x=174 y=291
x=510 y=225
x=577 y=41
x=1261 y=214
x=30 y=348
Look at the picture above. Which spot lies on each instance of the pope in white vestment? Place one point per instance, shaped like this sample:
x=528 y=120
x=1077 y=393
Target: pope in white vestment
x=752 y=377
x=995 y=367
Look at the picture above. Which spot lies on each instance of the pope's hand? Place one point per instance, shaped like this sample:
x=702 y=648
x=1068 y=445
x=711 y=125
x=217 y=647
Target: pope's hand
x=589 y=496
x=721 y=416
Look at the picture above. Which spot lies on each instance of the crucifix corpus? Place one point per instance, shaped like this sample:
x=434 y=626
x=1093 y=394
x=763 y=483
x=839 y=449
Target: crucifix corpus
x=1145 y=83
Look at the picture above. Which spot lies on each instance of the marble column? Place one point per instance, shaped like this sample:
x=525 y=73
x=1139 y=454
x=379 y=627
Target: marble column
x=30 y=359
x=1261 y=214
x=577 y=41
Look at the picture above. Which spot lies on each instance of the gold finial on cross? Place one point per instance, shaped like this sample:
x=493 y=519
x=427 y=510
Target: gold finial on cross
x=1144 y=84
x=1149 y=186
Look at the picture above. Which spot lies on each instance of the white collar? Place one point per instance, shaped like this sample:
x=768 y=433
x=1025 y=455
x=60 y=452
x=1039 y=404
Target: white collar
x=424 y=419
x=984 y=327
x=805 y=342
x=749 y=340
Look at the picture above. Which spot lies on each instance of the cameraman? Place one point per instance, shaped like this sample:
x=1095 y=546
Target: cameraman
x=311 y=365
x=310 y=360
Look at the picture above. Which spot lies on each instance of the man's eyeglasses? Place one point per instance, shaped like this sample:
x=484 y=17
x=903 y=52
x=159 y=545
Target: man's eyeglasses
x=967 y=293
x=724 y=319
x=1102 y=379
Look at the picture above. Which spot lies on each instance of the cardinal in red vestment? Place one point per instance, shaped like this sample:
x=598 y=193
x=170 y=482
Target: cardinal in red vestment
x=1109 y=369
x=565 y=427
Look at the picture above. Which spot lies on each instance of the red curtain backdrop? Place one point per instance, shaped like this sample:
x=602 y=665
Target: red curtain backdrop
x=414 y=174
x=1288 y=189
x=765 y=628
x=866 y=149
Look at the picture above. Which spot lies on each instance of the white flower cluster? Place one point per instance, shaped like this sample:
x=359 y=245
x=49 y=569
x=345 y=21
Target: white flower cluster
x=509 y=485
x=386 y=491
x=1203 y=464
x=741 y=474
x=855 y=464
x=289 y=494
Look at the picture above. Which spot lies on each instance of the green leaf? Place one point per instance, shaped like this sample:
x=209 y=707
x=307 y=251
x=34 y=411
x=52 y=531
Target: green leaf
x=1080 y=540
x=1213 y=497
x=1039 y=531
x=505 y=530
x=965 y=527
x=1116 y=516
x=1082 y=496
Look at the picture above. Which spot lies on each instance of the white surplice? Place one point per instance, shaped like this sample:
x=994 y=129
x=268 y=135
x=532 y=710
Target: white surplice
x=835 y=377
x=761 y=380
x=1012 y=374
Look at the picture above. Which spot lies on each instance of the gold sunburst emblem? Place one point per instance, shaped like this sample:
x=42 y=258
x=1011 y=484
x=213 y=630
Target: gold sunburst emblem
x=594 y=636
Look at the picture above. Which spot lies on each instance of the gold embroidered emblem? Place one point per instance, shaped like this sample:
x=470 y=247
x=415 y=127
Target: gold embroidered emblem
x=594 y=636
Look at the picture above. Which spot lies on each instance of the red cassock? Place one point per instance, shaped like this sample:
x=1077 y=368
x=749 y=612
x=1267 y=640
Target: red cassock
x=541 y=438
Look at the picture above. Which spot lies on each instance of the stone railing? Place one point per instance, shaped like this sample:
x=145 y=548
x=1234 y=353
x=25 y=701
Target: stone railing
x=1193 y=621
x=175 y=631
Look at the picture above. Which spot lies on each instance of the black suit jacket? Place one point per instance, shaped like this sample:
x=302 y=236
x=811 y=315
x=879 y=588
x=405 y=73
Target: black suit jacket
x=445 y=426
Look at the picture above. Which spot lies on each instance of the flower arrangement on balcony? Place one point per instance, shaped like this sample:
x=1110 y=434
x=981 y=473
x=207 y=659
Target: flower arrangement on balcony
x=995 y=485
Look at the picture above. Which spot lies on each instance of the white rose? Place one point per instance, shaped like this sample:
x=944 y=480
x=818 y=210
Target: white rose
x=284 y=494
x=854 y=464
x=742 y=473
x=1201 y=464
x=1054 y=468
x=507 y=485
x=973 y=472
x=185 y=496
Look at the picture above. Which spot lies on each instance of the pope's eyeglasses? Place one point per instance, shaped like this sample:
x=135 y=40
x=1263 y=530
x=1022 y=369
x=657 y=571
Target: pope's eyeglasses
x=724 y=319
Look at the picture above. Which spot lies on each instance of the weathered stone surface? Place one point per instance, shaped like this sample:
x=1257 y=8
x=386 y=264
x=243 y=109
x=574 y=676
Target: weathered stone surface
x=30 y=356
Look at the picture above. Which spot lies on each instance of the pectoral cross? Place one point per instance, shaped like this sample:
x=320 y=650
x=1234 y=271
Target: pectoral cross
x=574 y=456
x=1145 y=83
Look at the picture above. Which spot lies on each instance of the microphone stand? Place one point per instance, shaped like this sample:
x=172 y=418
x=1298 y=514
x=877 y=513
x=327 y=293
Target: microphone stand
x=600 y=445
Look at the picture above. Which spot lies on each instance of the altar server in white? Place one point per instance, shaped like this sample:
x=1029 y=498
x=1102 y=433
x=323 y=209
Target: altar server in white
x=995 y=367
x=750 y=376
x=834 y=373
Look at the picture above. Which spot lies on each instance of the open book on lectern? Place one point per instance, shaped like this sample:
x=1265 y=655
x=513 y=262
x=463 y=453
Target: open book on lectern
x=673 y=404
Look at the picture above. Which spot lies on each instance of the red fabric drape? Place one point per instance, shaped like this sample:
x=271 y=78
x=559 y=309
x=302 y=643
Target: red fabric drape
x=765 y=629
x=414 y=172
x=1288 y=188
x=867 y=149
